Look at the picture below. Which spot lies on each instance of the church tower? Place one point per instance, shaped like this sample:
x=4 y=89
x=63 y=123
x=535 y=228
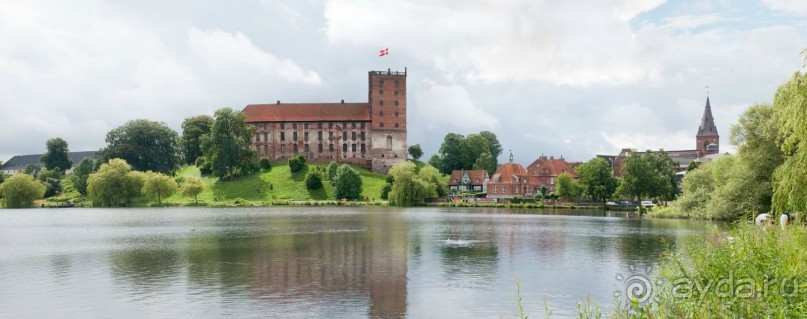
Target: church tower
x=707 y=140
x=387 y=98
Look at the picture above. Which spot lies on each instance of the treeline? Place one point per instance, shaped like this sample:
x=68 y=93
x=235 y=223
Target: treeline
x=475 y=151
x=768 y=172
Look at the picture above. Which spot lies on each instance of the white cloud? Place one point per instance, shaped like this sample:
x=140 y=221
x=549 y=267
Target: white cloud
x=451 y=106
x=790 y=6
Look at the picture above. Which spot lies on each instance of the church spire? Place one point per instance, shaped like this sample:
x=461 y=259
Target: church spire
x=707 y=127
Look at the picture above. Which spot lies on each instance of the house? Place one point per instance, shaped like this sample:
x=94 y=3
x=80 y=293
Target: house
x=509 y=180
x=472 y=180
x=18 y=163
x=544 y=170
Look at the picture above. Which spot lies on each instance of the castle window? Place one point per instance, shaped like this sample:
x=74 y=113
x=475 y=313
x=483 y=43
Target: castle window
x=306 y=148
x=330 y=136
x=495 y=189
x=266 y=149
x=380 y=91
x=381 y=102
x=294 y=136
x=330 y=147
x=330 y=124
x=264 y=126
x=344 y=136
x=381 y=124
x=344 y=147
x=306 y=136
x=362 y=125
x=319 y=136
x=319 y=147
x=319 y=125
x=305 y=125
x=396 y=124
x=353 y=148
x=396 y=93
x=295 y=148
x=396 y=82
x=381 y=82
x=257 y=137
x=389 y=142
x=353 y=125
x=381 y=113
x=282 y=136
x=353 y=136
x=363 y=149
x=283 y=148
x=362 y=136
x=396 y=103
x=282 y=126
x=265 y=139
x=344 y=124
x=294 y=125
x=396 y=113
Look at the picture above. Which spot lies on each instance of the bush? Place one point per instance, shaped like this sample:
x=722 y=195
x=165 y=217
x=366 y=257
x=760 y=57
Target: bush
x=114 y=184
x=296 y=164
x=200 y=162
x=347 y=184
x=330 y=171
x=313 y=180
x=264 y=164
x=21 y=190
x=385 y=191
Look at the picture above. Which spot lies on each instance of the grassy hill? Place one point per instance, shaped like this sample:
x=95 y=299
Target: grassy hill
x=278 y=183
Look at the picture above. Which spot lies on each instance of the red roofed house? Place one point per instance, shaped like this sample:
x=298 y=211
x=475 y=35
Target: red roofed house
x=371 y=134
x=473 y=180
x=545 y=170
x=511 y=179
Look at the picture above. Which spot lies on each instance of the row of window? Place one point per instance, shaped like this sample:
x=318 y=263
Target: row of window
x=381 y=124
x=381 y=102
x=363 y=148
x=381 y=113
x=306 y=125
x=362 y=136
x=381 y=92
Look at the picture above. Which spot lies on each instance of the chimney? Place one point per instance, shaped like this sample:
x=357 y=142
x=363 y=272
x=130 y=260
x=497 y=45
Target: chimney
x=343 y=101
x=278 y=101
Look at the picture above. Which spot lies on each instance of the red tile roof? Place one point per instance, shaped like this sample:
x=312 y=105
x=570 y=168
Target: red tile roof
x=507 y=172
x=472 y=174
x=554 y=167
x=300 y=112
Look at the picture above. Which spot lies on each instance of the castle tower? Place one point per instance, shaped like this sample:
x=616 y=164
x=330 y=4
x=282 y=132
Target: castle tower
x=707 y=141
x=387 y=98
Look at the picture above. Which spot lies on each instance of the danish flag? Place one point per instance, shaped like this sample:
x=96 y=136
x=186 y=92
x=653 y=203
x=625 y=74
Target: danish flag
x=384 y=52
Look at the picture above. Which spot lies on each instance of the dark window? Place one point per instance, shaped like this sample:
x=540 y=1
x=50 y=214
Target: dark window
x=294 y=136
x=362 y=125
x=381 y=102
x=353 y=148
x=330 y=124
x=389 y=142
x=396 y=93
x=362 y=136
x=363 y=149
x=396 y=103
x=306 y=148
x=282 y=125
x=381 y=124
x=319 y=147
x=396 y=124
x=257 y=137
x=344 y=136
x=396 y=113
x=330 y=135
x=396 y=82
x=380 y=91
x=283 y=148
x=353 y=125
x=306 y=136
x=319 y=136
x=330 y=147
x=294 y=126
x=344 y=124
x=265 y=137
x=353 y=136
x=380 y=113
x=305 y=125
x=344 y=147
x=381 y=82
x=264 y=125
x=295 y=148
x=266 y=149
x=319 y=125
x=282 y=136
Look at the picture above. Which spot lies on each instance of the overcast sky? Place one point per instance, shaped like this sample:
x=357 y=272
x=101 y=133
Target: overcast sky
x=573 y=78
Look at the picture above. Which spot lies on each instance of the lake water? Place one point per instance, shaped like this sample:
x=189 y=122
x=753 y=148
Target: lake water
x=320 y=262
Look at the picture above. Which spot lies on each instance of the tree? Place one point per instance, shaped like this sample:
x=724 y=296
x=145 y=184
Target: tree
x=475 y=146
x=20 y=191
x=52 y=180
x=692 y=166
x=452 y=153
x=296 y=163
x=430 y=175
x=56 y=157
x=648 y=175
x=790 y=110
x=348 y=183
x=493 y=143
x=436 y=162
x=193 y=129
x=313 y=180
x=145 y=145
x=32 y=169
x=160 y=185
x=264 y=164
x=567 y=187
x=486 y=162
x=596 y=179
x=228 y=148
x=330 y=171
x=415 y=151
x=81 y=173
x=408 y=188
x=114 y=184
x=193 y=186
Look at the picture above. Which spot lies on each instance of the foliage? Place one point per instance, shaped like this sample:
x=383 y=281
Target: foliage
x=160 y=185
x=52 y=180
x=347 y=184
x=567 y=186
x=313 y=180
x=408 y=188
x=297 y=163
x=692 y=166
x=264 y=164
x=475 y=146
x=436 y=162
x=415 y=151
x=32 y=169
x=330 y=172
x=486 y=162
x=193 y=186
x=81 y=173
x=56 y=157
x=193 y=129
x=385 y=191
x=460 y=152
x=596 y=179
x=495 y=147
x=648 y=175
x=790 y=111
x=227 y=149
x=429 y=174
x=20 y=190
x=145 y=145
x=114 y=184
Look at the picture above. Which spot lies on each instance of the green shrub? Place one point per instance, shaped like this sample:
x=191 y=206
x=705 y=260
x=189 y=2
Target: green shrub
x=330 y=171
x=313 y=180
x=264 y=164
x=385 y=191
x=296 y=164
x=20 y=191
x=348 y=184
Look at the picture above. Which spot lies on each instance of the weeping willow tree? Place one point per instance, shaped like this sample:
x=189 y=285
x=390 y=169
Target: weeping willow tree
x=790 y=179
x=410 y=188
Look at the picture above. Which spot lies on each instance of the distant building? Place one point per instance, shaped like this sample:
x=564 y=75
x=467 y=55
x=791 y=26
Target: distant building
x=508 y=181
x=707 y=145
x=18 y=163
x=372 y=134
x=472 y=180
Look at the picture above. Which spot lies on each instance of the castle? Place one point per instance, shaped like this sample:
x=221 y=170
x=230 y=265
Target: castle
x=371 y=135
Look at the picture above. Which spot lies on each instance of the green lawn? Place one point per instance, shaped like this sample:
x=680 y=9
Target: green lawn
x=279 y=183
